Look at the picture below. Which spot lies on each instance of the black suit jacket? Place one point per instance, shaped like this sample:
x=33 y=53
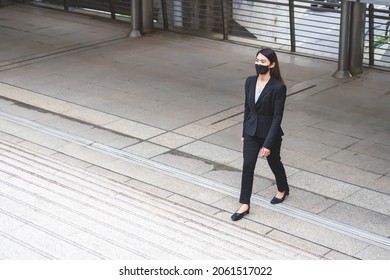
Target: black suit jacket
x=263 y=118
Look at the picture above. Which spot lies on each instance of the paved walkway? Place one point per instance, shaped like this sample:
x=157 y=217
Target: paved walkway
x=158 y=120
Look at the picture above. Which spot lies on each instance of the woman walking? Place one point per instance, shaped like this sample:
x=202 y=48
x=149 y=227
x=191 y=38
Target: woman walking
x=265 y=96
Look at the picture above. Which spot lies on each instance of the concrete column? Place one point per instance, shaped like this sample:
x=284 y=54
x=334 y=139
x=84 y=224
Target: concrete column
x=357 y=38
x=344 y=43
x=147 y=16
x=135 y=18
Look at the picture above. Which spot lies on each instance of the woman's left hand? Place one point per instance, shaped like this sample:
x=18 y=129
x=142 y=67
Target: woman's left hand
x=264 y=152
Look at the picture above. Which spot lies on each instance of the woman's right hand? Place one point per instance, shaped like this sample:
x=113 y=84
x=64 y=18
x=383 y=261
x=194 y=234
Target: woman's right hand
x=242 y=140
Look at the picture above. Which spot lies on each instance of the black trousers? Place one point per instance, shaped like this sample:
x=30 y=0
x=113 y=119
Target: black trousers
x=252 y=146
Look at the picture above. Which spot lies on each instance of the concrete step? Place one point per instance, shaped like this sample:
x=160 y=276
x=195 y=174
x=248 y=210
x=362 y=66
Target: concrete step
x=56 y=210
x=286 y=224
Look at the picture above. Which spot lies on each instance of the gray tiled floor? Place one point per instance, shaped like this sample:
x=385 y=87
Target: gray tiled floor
x=176 y=101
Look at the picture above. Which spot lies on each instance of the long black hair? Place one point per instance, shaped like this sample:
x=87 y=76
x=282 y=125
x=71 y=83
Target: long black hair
x=271 y=55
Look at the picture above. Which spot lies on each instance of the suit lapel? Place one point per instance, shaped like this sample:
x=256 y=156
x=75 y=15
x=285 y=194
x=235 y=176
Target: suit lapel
x=252 y=90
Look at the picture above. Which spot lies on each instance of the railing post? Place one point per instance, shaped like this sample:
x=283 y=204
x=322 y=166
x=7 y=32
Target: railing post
x=224 y=24
x=344 y=43
x=164 y=13
x=371 y=45
x=66 y=5
x=112 y=10
x=292 y=25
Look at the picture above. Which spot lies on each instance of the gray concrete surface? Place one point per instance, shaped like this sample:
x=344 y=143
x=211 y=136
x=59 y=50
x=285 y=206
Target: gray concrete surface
x=161 y=116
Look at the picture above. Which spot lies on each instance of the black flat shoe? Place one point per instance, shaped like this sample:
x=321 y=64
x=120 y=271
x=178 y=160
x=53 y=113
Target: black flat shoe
x=238 y=216
x=276 y=200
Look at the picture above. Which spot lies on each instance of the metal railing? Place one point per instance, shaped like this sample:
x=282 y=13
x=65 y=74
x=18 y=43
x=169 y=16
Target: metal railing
x=116 y=9
x=299 y=26
x=296 y=26
x=377 y=48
